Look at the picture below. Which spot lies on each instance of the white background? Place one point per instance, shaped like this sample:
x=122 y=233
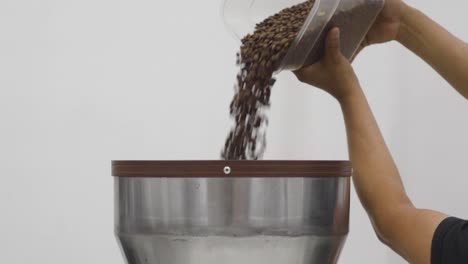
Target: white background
x=85 y=82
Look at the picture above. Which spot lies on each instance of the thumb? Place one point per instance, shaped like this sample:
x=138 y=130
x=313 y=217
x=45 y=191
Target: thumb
x=333 y=46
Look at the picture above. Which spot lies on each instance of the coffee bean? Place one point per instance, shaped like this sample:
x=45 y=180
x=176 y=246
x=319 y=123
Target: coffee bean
x=262 y=52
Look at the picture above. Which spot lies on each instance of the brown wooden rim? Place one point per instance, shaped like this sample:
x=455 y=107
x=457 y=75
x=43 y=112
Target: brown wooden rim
x=243 y=169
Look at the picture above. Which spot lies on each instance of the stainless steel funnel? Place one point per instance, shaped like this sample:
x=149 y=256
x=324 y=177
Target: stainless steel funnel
x=212 y=212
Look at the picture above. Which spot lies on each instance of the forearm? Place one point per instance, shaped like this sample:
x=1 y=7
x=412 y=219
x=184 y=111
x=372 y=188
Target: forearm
x=376 y=176
x=447 y=54
x=400 y=225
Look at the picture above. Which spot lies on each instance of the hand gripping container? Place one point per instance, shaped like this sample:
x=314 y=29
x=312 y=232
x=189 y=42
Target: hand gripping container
x=353 y=17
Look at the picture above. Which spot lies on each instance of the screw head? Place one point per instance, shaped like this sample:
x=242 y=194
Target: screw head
x=227 y=170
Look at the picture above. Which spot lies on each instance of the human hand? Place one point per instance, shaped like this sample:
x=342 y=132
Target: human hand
x=333 y=73
x=387 y=25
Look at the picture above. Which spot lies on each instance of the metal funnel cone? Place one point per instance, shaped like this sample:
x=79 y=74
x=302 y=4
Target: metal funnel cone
x=211 y=212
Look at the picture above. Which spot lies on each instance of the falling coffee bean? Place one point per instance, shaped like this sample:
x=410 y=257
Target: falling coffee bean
x=260 y=56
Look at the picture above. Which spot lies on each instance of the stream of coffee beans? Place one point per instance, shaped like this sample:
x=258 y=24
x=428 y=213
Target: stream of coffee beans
x=260 y=55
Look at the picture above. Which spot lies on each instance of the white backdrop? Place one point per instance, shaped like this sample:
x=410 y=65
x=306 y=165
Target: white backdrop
x=85 y=82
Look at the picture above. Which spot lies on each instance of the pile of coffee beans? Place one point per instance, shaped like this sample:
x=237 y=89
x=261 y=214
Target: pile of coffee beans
x=260 y=56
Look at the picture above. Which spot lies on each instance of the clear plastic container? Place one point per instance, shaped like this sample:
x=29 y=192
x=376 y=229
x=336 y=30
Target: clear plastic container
x=353 y=17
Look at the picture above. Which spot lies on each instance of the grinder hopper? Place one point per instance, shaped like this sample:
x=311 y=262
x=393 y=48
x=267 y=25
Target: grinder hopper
x=231 y=212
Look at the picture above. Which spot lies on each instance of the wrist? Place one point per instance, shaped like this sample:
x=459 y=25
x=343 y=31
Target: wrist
x=404 y=30
x=352 y=94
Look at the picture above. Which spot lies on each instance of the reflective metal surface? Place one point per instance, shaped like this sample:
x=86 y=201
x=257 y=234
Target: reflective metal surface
x=231 y=220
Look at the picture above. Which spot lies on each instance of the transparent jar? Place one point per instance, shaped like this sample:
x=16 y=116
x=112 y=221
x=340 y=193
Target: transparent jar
x=353 y=17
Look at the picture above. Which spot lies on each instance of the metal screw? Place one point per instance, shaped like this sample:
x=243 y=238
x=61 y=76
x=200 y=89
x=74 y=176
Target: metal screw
x=227 y=170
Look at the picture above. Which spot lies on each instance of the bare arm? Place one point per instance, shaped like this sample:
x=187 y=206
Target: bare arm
x=447 y=54
x=400 y=225
x=397 y=222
